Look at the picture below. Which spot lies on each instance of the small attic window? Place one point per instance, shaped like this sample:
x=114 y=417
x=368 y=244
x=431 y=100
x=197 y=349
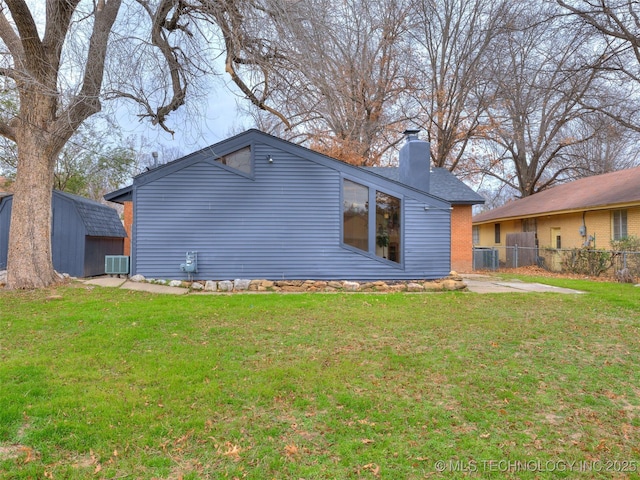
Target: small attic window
x=240 y=160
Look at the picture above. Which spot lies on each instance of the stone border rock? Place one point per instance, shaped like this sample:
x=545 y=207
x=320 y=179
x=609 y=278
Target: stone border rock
x=451 y=283
x=64 y=277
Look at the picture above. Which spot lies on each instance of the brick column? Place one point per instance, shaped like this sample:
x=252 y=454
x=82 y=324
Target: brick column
x=128 y=224
x=461 y=239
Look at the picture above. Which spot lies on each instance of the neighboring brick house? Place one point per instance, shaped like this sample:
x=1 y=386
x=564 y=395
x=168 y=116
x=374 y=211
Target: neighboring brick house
x=590 y=212
x=256 y=206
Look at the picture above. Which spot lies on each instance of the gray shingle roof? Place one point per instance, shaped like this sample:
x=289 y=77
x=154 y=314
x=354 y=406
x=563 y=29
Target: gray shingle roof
x=98 y=219
x=442 y=183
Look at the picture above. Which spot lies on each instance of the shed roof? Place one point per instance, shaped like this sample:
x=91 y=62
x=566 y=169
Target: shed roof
x=591 y=193
x=98 y=219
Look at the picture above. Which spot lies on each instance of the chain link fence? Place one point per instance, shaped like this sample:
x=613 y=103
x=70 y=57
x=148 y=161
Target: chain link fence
x=620 y=265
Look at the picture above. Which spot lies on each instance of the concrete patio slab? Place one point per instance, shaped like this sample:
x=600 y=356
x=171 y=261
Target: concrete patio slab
x=105 y=281
x=116 y=282
x=486 y=284
x=153 y=288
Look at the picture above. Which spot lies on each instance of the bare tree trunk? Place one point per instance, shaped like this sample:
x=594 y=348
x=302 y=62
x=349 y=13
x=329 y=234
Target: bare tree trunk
x=29 y=260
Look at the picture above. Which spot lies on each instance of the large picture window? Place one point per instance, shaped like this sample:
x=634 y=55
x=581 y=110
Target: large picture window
x=355 y=215
x=374 y=230
x=388 y=227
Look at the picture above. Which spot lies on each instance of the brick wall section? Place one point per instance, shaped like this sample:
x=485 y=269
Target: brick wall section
x=461 y=239
x=128 y=223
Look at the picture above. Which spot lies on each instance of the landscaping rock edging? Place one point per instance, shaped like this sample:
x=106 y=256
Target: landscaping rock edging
x=63 y=277
x=452 y=282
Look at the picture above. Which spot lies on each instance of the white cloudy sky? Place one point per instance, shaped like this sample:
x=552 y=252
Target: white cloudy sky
x=200 y=123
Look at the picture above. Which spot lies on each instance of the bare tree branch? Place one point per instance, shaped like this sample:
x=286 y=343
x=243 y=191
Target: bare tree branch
x=9 y=36
x=230 y=21
x=539 y=86
x=87 y=102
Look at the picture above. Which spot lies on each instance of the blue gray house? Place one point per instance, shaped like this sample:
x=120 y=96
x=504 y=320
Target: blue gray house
x=82 y=233
x=256 y=206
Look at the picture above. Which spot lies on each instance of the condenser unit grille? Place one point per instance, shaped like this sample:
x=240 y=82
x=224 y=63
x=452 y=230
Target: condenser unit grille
x=116 y=264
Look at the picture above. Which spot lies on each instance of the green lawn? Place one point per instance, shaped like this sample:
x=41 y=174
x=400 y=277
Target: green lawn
x=106 y=383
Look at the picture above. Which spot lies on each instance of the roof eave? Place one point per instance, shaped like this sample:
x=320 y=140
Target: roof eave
x=120 y=196
x=614 y=206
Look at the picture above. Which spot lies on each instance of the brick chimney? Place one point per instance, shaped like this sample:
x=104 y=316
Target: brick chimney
x=415 y=162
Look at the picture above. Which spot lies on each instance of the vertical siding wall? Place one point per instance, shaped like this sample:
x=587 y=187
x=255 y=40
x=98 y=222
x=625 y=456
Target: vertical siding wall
x=67 y=238
x=284 y=224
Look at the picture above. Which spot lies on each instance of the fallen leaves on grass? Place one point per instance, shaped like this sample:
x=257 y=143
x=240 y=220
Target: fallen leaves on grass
x=373 y=468
x=232 y=451
x=290 y=450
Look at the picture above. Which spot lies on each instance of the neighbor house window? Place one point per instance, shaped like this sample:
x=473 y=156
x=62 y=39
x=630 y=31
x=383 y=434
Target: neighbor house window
x=375 y=230
x=556 y=238
x=388 y=226
x=496 y=232
x=619 y=224
x=240 y=160
x=355 y=215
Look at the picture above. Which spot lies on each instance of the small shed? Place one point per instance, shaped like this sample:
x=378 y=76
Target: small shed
x=83 y=232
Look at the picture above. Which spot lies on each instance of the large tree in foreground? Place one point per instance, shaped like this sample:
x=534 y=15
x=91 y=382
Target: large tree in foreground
x=61 y=63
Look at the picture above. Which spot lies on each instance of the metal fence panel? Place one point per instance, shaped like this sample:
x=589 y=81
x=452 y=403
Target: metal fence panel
x=625 y=266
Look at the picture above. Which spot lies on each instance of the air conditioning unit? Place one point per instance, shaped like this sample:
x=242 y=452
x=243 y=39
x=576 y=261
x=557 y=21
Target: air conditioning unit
x=116 y=264
x=485 y=258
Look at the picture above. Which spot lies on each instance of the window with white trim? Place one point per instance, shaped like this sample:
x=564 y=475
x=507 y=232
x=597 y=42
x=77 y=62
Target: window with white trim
x=619 y=224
